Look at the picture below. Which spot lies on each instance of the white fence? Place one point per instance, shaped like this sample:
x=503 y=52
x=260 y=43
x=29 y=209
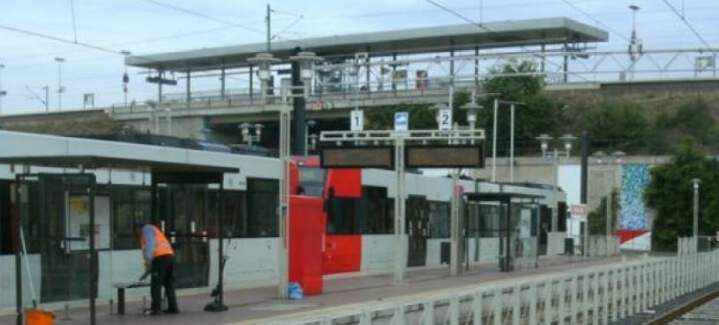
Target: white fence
x=591 y=297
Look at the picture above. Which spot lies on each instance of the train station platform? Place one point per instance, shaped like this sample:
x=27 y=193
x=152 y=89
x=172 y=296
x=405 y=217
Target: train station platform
x=260 y=305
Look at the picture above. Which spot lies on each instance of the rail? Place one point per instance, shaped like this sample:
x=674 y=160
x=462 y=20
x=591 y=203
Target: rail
x=591 y=297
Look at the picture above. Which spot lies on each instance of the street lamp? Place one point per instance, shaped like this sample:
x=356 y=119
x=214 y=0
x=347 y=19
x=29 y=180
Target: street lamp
x=544 y=141
x=60 y=89
x=695 y=228
x=472 y=109
x=247 y=137
x=264 y=63
x=635 y=44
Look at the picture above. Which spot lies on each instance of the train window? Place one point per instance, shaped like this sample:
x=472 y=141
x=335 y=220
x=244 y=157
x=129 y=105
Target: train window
x=439 y=219
x=262 y=203
x=312 y=180
x=343 y=216
x=377 y=216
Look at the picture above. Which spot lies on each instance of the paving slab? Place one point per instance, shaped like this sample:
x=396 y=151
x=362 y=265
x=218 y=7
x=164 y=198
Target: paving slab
x=260 y=305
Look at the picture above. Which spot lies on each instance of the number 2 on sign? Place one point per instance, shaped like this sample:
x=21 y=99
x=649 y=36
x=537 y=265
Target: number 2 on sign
x=445 y=119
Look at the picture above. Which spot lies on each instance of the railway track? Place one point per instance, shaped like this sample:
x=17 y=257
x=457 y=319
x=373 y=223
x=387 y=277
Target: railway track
x=702 y=310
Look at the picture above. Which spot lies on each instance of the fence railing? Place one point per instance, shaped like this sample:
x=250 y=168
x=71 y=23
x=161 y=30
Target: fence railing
x=595 y=296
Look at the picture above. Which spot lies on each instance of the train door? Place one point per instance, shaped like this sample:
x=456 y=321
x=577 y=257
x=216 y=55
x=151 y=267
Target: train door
x=417 y=230
x=184 y=209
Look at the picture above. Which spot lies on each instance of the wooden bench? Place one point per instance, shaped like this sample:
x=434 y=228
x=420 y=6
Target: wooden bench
x=121 y=286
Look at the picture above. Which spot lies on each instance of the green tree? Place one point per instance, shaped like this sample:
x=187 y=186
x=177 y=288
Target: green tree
x=421 y=116
x=598 y=217
x=619 y=123
x=670 y=194
x=519 y=81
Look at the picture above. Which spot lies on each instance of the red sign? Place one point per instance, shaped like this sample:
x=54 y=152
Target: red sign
x=579 y=210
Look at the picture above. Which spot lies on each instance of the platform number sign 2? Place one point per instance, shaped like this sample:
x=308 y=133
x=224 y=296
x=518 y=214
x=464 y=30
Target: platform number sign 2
x=357 y=120
x=445 y=119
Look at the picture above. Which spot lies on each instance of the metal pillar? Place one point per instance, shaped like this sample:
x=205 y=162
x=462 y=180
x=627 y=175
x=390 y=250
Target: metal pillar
x=221 y=253
x=251 y=85
x=451 y=65
x=298 y=103
x=160 y=75
x=695 y=214
x=222 y=83
x=583 y=189
x=511 y=144
x=18 y=251
x=188 y=90
x=542 y=65
x=494 y=142
x=565 y=65
x=476 y=67
x=92 y=253
x=555 y=185
x=368 y=72
x=394 y=70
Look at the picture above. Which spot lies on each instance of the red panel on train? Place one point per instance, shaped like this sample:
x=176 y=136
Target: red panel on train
x=307 y=226
x=345 y=182
x=343 y=253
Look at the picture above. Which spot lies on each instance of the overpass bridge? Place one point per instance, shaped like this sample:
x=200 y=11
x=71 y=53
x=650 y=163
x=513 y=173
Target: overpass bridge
x=404 y=67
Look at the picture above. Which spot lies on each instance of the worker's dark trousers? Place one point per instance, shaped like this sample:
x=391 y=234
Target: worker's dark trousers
x=163 y=275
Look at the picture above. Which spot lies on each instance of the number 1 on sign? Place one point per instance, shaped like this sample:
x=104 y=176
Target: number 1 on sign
x=357 y=120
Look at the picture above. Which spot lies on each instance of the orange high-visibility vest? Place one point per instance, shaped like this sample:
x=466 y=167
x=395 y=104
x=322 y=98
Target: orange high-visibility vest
x=162 y=245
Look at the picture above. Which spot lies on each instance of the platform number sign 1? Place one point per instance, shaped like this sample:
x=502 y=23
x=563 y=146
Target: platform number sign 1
x=357 y=120
x=445 y=119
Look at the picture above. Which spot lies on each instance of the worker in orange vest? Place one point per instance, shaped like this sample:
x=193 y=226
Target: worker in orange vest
x=159 y=264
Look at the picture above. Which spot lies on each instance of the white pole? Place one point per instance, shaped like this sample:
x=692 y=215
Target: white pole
x=1 y=89
x=494 y=143
x=695 y=228
x=399 y=233
x=454 y=259
x=609 y=211
x=555 y=174
x=511 y=145
x=59 y=85
x=284 y=213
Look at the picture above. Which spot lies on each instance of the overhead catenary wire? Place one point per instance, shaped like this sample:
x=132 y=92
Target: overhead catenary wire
x=212 y=18
x=597 y=21
x=689 y=25
x=58 y=39
x=205 y=16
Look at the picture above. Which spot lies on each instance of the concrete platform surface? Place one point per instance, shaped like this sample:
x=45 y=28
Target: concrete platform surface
x=260 y=305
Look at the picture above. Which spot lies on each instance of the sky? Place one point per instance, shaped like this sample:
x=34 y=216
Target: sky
x=149 y=26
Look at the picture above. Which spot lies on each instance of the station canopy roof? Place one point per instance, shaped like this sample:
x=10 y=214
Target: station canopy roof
x=67 y=152
x=405 y=41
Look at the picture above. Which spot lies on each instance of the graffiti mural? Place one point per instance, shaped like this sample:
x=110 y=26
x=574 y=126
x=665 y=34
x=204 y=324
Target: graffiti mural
x=635 y=178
